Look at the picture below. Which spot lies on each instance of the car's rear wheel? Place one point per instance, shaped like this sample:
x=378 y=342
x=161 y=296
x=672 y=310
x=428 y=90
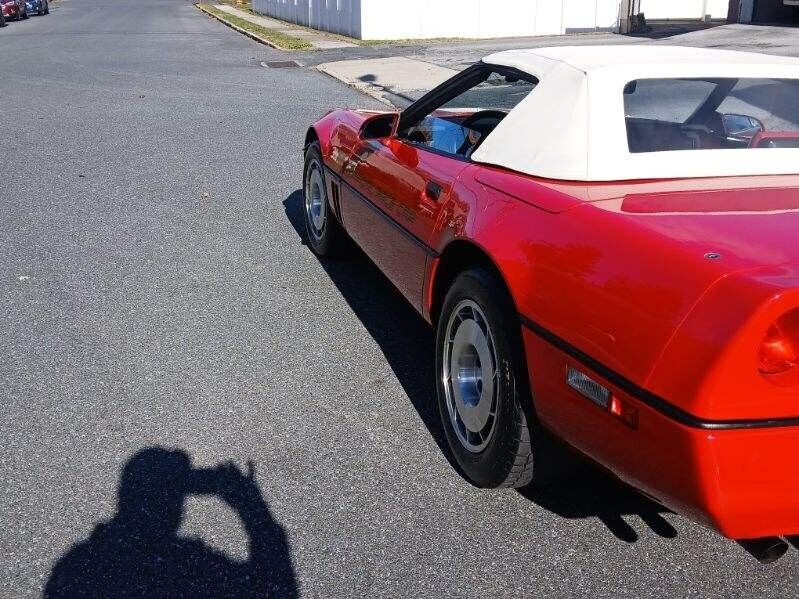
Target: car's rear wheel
x=325 y=234
x=483 y=394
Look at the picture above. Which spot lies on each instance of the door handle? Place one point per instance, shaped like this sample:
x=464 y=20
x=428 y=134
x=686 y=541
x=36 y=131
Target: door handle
x=357 y=158
x=352 y=163
x=433 y=190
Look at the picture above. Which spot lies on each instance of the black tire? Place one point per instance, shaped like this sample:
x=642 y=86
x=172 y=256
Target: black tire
x=25 y=14
x=325 y=236
x=507 y=459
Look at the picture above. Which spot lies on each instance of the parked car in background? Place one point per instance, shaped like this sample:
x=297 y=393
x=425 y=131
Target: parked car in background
x=40 y=7
x=14 y=9
x=605 y=240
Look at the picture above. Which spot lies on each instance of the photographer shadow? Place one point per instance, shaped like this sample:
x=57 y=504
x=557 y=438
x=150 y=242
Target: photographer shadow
x=138 y=553
x=407 y=341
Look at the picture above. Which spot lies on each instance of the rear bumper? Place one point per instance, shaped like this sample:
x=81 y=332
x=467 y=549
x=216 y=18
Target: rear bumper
x=752 y=487
x=744 y=482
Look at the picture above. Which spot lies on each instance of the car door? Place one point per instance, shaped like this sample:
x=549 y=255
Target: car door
x=401 y=189
x=396 y=186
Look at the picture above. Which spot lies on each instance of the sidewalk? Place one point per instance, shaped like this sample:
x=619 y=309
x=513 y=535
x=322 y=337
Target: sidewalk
x=395 y=80
x=317 y=39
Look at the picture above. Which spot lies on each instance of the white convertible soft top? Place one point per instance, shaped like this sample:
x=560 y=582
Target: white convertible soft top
x=572 y=125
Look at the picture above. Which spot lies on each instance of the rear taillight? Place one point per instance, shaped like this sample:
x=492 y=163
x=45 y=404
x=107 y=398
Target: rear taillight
x=779 y=351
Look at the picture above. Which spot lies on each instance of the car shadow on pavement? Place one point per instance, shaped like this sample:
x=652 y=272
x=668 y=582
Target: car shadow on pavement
x=138 y=553
x=589 y=491
x=407 y=342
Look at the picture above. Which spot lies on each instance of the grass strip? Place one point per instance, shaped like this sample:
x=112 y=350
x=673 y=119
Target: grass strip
x=264 y=34
x=408 y=42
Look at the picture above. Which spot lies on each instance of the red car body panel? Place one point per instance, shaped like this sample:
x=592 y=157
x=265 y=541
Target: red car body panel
x=661 y=290
x=761 y=138
x=394 y=176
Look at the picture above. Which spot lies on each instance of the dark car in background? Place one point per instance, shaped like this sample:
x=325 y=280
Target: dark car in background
x=40 y=7
x=14 y=9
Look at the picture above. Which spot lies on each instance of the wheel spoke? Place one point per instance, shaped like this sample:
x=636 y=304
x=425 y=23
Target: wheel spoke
x=470 y=376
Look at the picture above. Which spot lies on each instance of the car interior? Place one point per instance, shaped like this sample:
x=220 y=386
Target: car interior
x=457 y=134
x=457 y=120
x=653 y=109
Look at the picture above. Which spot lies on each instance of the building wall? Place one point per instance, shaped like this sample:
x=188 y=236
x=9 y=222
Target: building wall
x=463 y=18
x=414 y=19
x=338 y=16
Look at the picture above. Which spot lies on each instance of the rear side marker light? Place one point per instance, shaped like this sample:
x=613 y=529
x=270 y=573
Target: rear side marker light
x=624 y=412
x=602 y=396
x=587 y=387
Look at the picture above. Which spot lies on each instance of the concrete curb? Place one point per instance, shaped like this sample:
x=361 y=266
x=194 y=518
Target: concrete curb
x=249 y=34
x=374 y=91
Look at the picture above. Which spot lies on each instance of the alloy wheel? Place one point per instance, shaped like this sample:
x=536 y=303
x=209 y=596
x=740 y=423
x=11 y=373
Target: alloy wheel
x=315 y=202
x=470 y=376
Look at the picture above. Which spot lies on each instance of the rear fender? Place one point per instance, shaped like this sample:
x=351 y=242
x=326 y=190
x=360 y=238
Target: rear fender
x=710 y=366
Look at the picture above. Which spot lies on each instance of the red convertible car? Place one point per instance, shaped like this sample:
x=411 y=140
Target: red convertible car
x=606 y=240
x=13 y=9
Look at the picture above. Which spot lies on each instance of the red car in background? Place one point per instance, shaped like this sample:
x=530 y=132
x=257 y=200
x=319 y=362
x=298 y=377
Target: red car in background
x=14 y=9
x=605 y=240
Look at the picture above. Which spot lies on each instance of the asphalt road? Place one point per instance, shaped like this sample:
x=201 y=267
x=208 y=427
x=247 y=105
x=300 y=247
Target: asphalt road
x=156 y=293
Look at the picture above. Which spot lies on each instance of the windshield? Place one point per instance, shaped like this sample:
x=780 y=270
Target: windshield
x=460 y=122
x=704 y=114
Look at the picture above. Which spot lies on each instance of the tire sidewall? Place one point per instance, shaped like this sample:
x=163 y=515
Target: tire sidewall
x=491 y=466
x=313 y=160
